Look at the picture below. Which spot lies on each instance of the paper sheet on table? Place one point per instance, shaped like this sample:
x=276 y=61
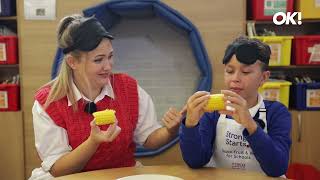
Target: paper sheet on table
x=150 y=176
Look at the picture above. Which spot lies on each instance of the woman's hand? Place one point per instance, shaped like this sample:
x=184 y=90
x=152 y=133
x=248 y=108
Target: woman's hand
x=98 y=136
x=195 y=107
x=171 y=120
x=240 y=112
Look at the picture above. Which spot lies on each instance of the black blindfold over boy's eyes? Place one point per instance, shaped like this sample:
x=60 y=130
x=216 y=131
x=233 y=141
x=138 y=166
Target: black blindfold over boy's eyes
x=246 y=53
x=88 y=36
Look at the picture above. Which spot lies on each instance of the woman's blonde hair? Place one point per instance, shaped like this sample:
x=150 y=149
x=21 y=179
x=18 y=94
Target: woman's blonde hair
x=61 y=86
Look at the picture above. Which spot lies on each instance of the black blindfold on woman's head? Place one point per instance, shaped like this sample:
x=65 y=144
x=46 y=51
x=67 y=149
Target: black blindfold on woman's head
x=246 y=53
x=88 y=36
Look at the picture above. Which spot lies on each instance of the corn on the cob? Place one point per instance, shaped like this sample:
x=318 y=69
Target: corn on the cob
x=215 y=102
x=104 y=117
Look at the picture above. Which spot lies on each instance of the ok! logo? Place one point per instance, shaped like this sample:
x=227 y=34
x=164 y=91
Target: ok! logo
x=281 y=18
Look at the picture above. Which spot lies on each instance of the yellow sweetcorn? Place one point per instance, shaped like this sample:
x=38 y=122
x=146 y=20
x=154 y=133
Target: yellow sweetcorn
x=215 y=102
x=104 y=117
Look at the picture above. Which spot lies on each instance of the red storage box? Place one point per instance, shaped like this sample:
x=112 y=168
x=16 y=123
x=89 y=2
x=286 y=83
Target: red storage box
x=265 y=9
x=9 y=97
x=306 y=50
x=8 y=50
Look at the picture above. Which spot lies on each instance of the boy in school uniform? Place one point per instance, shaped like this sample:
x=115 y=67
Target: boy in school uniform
x=250 y=133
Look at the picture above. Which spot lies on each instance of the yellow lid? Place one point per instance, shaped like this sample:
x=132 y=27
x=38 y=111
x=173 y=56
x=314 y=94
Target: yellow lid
x=273 y=38
x=275 y=84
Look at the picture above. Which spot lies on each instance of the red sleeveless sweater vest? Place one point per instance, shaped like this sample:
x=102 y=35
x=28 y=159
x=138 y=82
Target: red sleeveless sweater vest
x=119 y=152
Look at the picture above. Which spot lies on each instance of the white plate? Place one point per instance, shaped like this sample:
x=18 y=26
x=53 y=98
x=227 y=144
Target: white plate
x=150 y=176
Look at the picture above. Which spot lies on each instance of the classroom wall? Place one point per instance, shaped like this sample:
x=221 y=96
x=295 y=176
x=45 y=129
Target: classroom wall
x=218 y=22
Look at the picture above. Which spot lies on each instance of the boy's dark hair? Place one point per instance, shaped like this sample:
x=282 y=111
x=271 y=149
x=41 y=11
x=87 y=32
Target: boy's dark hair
x=248 y=51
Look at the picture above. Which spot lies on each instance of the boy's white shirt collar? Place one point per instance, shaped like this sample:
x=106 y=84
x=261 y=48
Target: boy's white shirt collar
x=107 y=90
x=255 y=108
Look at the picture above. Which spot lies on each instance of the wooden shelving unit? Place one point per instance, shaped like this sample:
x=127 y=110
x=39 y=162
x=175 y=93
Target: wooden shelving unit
x=304 y=124
x=9 y=65
x=11 y=122
x=8 y=17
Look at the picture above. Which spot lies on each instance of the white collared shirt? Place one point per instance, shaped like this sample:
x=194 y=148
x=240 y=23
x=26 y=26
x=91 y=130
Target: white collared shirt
x=253 y=110
x=45 y=129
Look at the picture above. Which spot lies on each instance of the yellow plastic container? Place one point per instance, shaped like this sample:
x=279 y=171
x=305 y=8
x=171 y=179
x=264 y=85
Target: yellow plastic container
x=310 y=9
x=280 y=49
x=276 y=90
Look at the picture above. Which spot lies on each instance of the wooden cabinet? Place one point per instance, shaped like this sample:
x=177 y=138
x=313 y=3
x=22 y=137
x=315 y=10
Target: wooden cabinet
x=305 y=124
x=305 y=146
x=11 y=122
x=11 y=145
x=269 y=28
x=9 y=63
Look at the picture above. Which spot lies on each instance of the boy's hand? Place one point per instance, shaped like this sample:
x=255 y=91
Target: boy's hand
x=171 y=120
x=195 y=107
x=241 y=112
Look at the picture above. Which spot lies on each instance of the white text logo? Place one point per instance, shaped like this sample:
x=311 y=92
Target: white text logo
x=280 y=18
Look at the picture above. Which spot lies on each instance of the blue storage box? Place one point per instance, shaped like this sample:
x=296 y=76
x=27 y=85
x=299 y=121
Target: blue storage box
x=306 y=96
x=8 y=8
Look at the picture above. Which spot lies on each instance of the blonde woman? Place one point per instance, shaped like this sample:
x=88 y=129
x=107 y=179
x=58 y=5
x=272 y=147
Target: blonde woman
x=66 y=137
